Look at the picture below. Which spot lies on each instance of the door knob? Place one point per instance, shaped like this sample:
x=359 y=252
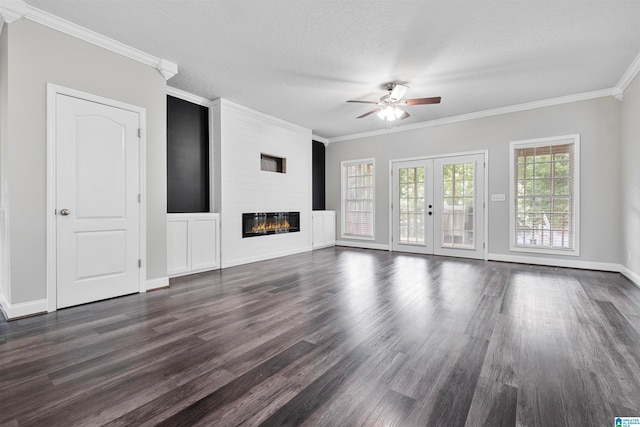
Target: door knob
x=64 y=212
x=430 y=213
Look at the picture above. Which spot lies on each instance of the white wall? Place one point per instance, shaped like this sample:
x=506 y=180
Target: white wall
x=630 y=177
x=5 y=291
x=242 y=134
x=597 y=121
x=38 y=55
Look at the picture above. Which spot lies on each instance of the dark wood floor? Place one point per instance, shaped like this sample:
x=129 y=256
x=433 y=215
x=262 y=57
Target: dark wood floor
x=336 y=337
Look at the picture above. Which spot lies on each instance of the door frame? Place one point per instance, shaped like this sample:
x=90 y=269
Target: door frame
x=51 y=203
x=485 y=196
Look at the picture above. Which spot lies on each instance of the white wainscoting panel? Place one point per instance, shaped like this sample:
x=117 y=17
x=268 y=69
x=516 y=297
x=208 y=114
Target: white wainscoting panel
x=193 y=243
x=324 y=229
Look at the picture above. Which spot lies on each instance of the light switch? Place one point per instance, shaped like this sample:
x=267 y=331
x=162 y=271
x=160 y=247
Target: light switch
x=498 y=198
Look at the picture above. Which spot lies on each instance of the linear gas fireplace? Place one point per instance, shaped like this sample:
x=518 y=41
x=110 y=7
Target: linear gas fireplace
x=263 y=223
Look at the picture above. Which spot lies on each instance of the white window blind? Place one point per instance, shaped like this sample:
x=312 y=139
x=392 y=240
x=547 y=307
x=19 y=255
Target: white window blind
x=544 y=185
x=358 y=199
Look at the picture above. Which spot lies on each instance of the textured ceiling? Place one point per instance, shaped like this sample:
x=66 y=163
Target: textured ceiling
x=300 y=60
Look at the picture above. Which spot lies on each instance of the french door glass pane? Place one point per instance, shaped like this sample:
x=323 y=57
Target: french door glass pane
x=457 y=222
x=411 y=195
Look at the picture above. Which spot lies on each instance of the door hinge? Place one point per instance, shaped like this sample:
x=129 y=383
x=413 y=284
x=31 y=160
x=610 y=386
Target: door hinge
x=484 y=205
x=483 y=246
x=139 y=133
x=139 y=197
x=139 y=263
x=391 y=172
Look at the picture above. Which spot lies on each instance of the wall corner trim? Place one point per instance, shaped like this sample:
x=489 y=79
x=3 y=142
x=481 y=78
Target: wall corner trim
x=15 y=311
x=186 y=96
x=322 y=139
x=12 y=10
x=631 y=275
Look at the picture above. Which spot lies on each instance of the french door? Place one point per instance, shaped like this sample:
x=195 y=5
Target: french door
x=438 y=206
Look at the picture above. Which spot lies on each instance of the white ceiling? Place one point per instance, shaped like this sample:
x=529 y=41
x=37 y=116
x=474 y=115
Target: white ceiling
x=300 y=60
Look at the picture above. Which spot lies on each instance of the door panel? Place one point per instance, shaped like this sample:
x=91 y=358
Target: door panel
x=459 y=206
x=97 y=186
x=412 y=194
x=437 y=206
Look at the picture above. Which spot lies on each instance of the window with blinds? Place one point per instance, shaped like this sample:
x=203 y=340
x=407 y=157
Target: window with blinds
x=544 y=189
x=358 y=193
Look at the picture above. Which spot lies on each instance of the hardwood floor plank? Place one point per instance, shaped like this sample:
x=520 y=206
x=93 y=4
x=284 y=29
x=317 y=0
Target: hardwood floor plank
x=494 y=404
x=236 y=388
x=338 y=336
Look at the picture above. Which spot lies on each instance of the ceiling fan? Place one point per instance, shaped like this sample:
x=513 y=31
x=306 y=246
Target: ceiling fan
x=390 y=105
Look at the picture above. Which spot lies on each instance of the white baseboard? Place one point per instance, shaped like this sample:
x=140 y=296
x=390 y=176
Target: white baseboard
x=362 y=244
x=160 y=282
x=556 y=262
x=322 y=246
x=634 y=277
x=14 y=311
x=241 y=261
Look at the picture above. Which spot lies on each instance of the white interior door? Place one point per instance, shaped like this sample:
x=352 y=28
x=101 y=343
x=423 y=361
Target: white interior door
x=97 y=201
x=438 y=206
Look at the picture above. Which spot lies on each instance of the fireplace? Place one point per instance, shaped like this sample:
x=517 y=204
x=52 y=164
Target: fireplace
x=264 y=223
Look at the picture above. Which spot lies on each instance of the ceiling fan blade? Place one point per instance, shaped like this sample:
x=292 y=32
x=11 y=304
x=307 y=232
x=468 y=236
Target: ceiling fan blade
x=420 y=101
x=370 y=112
x=398 y=91
x=404 y=115
x=363 y=102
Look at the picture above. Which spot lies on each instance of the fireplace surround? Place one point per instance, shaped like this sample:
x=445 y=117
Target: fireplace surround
x=265 y=223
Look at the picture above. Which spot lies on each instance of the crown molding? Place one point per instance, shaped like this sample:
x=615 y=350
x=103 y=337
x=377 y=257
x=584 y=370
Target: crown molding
x=195 y=99
x=318 y=138
x=629 y=75
x=12 y=10
x=486 y=113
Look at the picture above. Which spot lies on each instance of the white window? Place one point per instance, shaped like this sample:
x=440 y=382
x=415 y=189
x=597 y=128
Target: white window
x=545 y=182
x=358 y=199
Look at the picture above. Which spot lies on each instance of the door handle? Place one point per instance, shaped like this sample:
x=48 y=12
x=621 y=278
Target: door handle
x=64 y=212
x=430 y=213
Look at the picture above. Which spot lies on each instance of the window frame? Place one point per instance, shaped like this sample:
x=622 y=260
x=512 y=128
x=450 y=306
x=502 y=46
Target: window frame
x=343 y=198
x=574 y=207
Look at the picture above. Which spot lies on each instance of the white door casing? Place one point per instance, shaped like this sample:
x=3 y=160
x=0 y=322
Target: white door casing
x=96 y=164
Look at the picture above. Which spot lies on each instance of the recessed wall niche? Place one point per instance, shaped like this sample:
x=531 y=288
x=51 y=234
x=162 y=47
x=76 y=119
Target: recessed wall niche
x=271 y=163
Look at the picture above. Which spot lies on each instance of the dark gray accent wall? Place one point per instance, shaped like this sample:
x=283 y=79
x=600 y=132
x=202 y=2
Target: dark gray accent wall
x=318 y=176
x=187 y=157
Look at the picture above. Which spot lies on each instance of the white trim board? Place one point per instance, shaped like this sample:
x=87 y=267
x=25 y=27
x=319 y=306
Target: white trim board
x=14 y=311
x=632 y=276
x=158 y=283
x=186 y=96
x=18 y=9
x=363 y=244
x=629 y=75
x=556 y=262
x=265 y=257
